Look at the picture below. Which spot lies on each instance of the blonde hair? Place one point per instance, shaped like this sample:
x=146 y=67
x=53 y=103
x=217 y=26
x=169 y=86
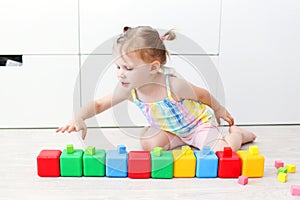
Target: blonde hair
x=145 y=41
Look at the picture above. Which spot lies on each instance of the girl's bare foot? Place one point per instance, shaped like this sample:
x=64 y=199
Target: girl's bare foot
x=247 y=136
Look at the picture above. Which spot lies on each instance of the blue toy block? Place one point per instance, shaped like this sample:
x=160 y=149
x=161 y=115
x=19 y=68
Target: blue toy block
x=206 y=163
x=116 y=162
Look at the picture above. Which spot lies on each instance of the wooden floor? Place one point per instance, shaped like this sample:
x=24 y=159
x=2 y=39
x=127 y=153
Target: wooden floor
x=19 y=180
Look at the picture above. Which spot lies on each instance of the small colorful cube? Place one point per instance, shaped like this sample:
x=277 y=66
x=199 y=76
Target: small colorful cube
x=229 y=163
x=94 y=162
x=252 y=162
x=206 y=163
x=243 y=180
x=48 y=163
x=161 y=163
x=71 y=162
x=282 y=177
x=184 y=162
x=139 y=164
x=291 y=168
x=295 y=190
x=279 y=163
x=116 y=162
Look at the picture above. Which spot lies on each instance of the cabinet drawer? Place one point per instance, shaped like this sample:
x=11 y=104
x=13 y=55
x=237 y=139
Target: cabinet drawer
x=196 y=21
x=39 y=27
x=40 y=93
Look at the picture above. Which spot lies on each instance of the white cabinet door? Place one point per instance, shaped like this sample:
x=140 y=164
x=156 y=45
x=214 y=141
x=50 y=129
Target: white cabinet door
x=99 y=78
x=39 y=27
x=259 y=60
x=40 y=93
x=196 y=20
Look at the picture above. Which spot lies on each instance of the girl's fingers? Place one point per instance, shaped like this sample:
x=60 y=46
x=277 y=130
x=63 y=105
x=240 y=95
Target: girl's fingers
x=84 y=133
x=65 y=128
x=71 y=128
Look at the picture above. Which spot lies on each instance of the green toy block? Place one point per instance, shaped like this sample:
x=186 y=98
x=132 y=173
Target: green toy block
x=282 y=169
x=71 y=163
x=90 y=150
x=94 y=165
x=157 y=151
x=70 y=148
x=161 y=163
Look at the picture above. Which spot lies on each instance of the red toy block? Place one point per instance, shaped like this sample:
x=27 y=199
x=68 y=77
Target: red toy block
x=139 y=164
x=295 y=190
x=230 y=163
x=279 y=163
x=243 y=180
x=48 y=163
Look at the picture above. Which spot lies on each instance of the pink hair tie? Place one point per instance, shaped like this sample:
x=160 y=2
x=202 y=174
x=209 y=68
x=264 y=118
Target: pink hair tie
x=162 y=37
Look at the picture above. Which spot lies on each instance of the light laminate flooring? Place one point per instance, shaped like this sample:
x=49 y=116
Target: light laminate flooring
x=19 y=179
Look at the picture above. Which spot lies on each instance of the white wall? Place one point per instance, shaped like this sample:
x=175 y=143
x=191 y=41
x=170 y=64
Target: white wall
x=253 y=45
x=259 y=62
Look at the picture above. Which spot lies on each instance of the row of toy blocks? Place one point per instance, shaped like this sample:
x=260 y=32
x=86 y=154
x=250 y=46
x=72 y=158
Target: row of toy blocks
x=53 y=163
x=179 y=163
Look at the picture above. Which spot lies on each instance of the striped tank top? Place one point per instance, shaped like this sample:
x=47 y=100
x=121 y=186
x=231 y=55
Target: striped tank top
x=177 y=117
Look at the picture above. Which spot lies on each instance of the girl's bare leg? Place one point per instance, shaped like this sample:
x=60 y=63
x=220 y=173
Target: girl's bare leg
x=151 y=138
x=235 y=139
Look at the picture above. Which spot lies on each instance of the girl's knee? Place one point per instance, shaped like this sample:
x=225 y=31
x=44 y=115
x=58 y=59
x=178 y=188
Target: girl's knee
x=147 y=145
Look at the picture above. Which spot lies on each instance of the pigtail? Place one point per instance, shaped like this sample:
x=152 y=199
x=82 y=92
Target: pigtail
x=170 y=35
x=125 y=29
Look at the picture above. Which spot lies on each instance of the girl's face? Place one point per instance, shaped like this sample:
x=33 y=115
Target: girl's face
x=132 y=71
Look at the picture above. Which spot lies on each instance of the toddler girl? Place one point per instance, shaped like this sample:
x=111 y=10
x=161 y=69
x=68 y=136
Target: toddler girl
x=177 y=111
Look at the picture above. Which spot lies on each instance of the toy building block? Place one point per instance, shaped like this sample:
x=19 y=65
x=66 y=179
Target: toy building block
x=139 y=164
x=94 y=162
x=70 y=148
x=252 y=162
x=282 y=169
x=184 y=162
x=161 y=163
x=243 y=180
x=229 y=163
x=116 y=162
x=279 y=163
x=48 y=163
x=90 y=150
x=295 y=190
x=206 y=163
x=291 y=168
x=71 y=163
x=282 y=177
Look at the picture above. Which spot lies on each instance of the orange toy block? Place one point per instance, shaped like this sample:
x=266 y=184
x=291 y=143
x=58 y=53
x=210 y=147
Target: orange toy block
x=184 y=162
x=252 y=162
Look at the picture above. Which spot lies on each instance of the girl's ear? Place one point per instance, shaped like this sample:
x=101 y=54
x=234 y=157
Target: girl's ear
x=155 y=65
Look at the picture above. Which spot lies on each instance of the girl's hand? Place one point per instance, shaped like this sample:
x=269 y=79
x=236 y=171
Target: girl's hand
x=221 y=112
x=74 y=125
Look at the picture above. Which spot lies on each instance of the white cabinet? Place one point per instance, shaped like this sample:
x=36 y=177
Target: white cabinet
x=40 y=93
x=196 y=20
x=259 y=61
x=39 y=27
x=99 y=78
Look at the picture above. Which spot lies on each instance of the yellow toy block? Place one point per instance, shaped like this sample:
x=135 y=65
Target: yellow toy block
x=184 y=162
x=282 y=177
x=291 y=168
x=252 y=162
